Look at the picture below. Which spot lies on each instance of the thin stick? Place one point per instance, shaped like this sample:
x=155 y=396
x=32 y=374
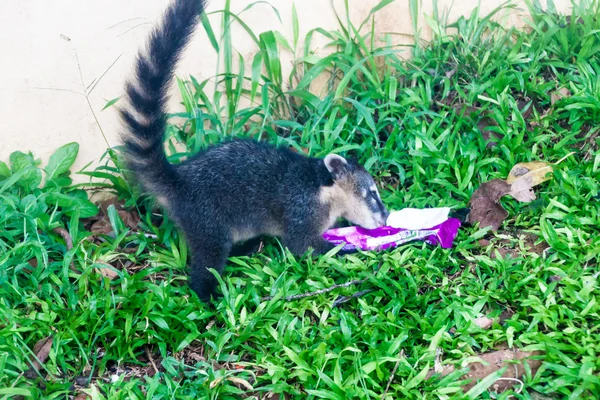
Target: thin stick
x=387 y=388
x=326 y=290
x=318 y=292
x=65 y=235
x=151 y=360
x=68 y=242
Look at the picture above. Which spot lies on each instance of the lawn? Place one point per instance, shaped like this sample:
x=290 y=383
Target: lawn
x=94 y=301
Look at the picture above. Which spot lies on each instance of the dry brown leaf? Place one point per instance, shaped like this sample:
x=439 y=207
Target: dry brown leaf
x=276 y=396
x=451 y=73
x=41 y=350
x=100 y=223
x=214 y=383
x=496 y=360
x=522 y=190
x=106 y=270
x=524 y=176
x=241 y=382
x=484 y=322
x=559 y=94
x=538 y=171
x=101 y=227
x=484 y=121
x=131 y=219
x=82 y=396
x=485 y=204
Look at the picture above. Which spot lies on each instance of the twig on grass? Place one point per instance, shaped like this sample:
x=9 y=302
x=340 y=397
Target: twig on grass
x=151 y=359
x=65 y=235
x=318 y=292
x=393 y=375
x=344 y=299
x=62 y=232
x=328 y=289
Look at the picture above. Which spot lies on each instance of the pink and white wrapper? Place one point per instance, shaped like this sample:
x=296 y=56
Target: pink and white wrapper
x=385 y=237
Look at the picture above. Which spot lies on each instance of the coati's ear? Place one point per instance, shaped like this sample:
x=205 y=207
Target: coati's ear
x=336 y=165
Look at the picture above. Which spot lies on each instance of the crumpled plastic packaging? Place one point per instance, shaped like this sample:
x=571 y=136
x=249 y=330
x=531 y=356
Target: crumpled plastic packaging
x=418 y=218
x=354 y=237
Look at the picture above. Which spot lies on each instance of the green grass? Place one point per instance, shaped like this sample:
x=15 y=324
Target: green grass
x=407 y=123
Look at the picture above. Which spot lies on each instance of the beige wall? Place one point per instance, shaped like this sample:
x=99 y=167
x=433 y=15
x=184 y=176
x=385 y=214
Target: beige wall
x=56 y=52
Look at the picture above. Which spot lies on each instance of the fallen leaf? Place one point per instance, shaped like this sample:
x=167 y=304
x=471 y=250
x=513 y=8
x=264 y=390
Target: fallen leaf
x=450 y=74
x=522 y=190
x=241 y=382
x=501 y=250
x=449 y=99
x=41 y=350
x=82 y=396
x=106 y=270
x=81 y=381
x=538 y=171
x=485 y=204
x=214 y=383
x=196 y=357
x=495 y=361
x=101 y=227
x=526 y=107
x=131 y=219
x=100 y=224
x=559 y=94
x=484 y=322
x=484 y=121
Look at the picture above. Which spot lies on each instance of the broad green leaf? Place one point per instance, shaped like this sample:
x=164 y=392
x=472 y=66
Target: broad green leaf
x=32 y=176
x=62 y=159
x=71 y=203
x=4 y=170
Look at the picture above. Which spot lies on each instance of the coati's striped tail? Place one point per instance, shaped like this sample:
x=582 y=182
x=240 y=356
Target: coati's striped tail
x=147 y=94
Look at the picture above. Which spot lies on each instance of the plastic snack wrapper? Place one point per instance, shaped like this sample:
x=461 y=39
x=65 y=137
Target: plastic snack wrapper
x=432 y=225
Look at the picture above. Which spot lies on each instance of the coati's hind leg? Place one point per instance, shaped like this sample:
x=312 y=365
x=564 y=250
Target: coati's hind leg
x=246 y=248
x=207 y=251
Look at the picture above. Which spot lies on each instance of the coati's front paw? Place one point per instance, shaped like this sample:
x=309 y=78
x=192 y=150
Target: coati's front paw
x=343 y=252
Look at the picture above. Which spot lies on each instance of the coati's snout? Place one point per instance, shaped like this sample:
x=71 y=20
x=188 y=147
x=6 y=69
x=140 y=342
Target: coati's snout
x=354 y=195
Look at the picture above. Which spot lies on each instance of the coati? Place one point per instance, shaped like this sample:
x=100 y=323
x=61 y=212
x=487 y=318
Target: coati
x=238 y=189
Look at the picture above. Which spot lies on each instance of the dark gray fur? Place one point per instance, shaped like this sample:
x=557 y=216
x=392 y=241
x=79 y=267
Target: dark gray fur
x=239 y=189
